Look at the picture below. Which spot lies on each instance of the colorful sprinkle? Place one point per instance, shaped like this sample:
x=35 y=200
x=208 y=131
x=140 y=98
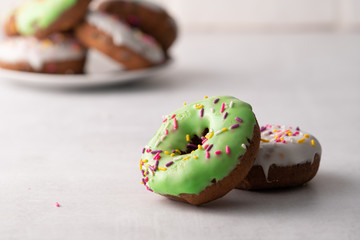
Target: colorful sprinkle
x=225 y=115
x=207 y=154
x=156 y=151
x=166 y=132
x=199 y=147
x=227 y=149
x=301 y=140
x=186 y=158
x=195 y=157
x=313 y=142
x=192 y=145
x=175 y=123
x=199 y=106
x=202 y=112
x=143 y=150
x=243 y=146
x=173 y=116
x=169 y=164
x=172 y=155
x=238 y=119
x=231 y=104
x=216 y=100
x=218 y=152
x=209 y=148
x=264 y=140
x=205 y=97
x=162 y=168
x=235 y=126
x=188 y=137
x=222 y=107
x=307 y=135
x=57 y=204
x=205 y=146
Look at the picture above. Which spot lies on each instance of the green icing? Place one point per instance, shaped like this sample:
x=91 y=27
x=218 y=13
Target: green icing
x=194 y=175
x=40 y=14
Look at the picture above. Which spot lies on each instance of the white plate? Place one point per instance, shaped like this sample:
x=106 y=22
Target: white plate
x=100 y=71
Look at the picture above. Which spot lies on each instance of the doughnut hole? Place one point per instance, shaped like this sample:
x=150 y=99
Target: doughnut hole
x=194 y=142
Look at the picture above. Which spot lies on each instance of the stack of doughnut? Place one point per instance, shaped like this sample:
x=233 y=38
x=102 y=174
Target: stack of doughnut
x=53 y=36
x=207 y=148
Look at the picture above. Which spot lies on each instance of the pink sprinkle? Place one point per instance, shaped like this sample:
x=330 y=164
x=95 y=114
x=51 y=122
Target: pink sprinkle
x=175 y=123
x=227 y=149
x=146 y=179
x=57 y=204
x=148 y=150
x=207 y=154
x=284 y=141
x=166 y=132
x=205 y=146
x=157 y=156
x=222 y=107
x=173 y=116
x=204 y=141
x=165 y=120
x=218 y=152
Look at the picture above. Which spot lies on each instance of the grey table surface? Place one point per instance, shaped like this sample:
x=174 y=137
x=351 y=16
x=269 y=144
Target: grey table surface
x=81 y=147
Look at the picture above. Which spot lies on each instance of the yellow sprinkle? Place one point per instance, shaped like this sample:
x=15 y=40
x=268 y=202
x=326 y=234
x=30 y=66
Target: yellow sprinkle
x=264 y=140
x=185 y=158
x=140 y=164
x=145 y=161
x=205 y=97
x=301 y=140
x=282 y=139
x=289 y=134
x=192 y=151
x=167 y=152
x=188 y=137
x=306 y=135
x=275 y=130
x=224 y=129
x=199 y=106
x=211 y=135
x=162 y=168
x=178 y=151
x=185 y=103
x=199 y=147
x=141 y=182
x=196 y=157
x=313 y=142
x=147 y=165
x=173 y=154
x=276 y=137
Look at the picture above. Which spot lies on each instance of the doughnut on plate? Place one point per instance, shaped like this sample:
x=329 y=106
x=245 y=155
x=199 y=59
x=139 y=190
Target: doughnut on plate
x=99 y=71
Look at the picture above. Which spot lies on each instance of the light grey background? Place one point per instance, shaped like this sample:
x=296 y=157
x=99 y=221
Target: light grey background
x=81 y=148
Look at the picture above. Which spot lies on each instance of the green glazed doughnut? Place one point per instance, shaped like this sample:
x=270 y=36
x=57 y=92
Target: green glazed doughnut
x=40 y=17
x=33 y=12
x=196 y=150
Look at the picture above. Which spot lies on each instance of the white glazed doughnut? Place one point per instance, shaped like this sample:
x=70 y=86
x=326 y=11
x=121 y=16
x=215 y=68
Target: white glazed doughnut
x=36 y=53
x=122 y=34
x=287 y=157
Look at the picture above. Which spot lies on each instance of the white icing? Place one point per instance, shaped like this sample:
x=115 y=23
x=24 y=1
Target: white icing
x=122 y=34
x=37 y=52
x=285 y=150
x=96 y=3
